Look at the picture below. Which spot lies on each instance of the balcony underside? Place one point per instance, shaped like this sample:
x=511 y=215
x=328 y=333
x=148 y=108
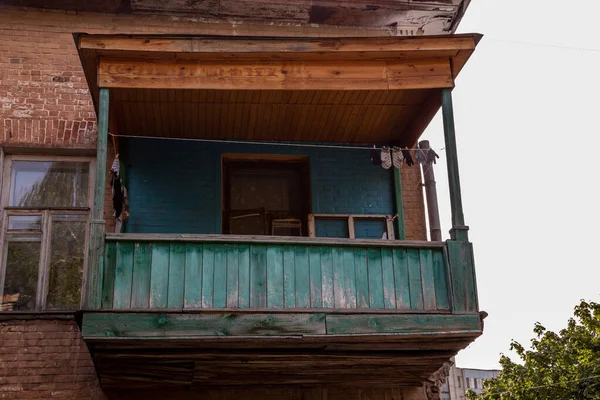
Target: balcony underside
x=198 y=349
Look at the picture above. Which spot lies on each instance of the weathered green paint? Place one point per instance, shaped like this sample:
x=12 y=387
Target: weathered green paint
x=289 y=277
x=220 y=278
x=233 y=258
x=402 y=323
x=401 y=279
x=349 y=278
x=440 y=275
x=389 y=291
x=140 y=291
x=375 y=279
x=462 y=272
x=426 y=260
x=208 y=272
x=258 y=276
x=123 y=276
x=458 y=218
x=159 y=275
x=327 y=277
x=415 y=283
x=362 y=278
x=223 y=275
x=302 y=277
x=244 y=273
x=316 y=283
x=275 y=277
x=399 y=204
x=110 y=264
x=176 y=275
x=193 y=276
x=178 y=326
x=95 y=271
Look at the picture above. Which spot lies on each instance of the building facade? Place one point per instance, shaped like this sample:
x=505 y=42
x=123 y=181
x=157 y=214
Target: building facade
x=461 y=380
x=193 y=201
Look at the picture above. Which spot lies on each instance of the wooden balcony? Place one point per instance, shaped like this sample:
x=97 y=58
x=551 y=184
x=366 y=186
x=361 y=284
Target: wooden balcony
x=275 y=300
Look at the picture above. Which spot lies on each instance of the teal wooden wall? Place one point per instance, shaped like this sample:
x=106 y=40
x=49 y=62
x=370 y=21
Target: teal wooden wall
x=179 y=275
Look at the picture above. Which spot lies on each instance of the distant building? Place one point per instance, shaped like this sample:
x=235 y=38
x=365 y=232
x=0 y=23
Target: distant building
x=461 y=380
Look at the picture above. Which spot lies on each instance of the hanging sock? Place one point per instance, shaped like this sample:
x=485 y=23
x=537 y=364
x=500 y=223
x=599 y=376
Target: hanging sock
x=407 y=157
x=375 y=156
x=421 y=157
x=431 y=156
x=386 y=158
x=397 y=157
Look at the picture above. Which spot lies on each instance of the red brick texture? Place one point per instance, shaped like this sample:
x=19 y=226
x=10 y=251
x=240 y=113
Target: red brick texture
x=45 y=359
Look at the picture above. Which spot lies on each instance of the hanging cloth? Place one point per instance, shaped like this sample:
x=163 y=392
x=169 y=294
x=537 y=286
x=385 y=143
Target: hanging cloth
x=386 y=157
x=397 y=157
x=431 y=156
x=421 y=156
x=408 y=157
x=375 y=156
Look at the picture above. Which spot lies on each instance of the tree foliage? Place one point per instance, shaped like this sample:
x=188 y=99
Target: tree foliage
x=559 y=366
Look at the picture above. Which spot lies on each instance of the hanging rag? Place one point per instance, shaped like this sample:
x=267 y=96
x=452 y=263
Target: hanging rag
x=407 y=157
x=421 y=156
x=117 y=192
x=116 y=165
x=386 y=157
x=397 y=157
x=431 y=156
x=375 y=156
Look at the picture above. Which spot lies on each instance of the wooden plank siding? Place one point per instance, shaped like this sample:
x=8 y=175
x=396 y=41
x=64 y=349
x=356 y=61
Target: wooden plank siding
x=212 y=275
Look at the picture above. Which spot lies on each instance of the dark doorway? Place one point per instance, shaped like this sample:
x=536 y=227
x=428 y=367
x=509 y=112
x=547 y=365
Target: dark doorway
x=266 y=195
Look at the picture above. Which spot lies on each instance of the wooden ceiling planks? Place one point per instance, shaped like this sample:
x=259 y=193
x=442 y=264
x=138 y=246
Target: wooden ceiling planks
x=333 y=116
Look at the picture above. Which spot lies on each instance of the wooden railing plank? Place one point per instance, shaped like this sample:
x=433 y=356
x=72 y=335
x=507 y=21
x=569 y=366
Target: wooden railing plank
x=159 y=275
x=233 y=271
x=362 y=278
x=208 y=268
x=389 y=291
x=302 y=277
x=220 y=277
x=414 y=279
x=244 y=276
x=140 y=288
x=289 y=277
x=442 y=298
x=427 y=278
x=401 y=279
x=403 y=323
x=176 y=275
x=193 y=276
x=275 y=277
x=123 y=276
x=316 y=284
x=327 y=277
x=108 y=284
x=338 y=278
x=375 y=279
x=258 y=276
x=349 y=282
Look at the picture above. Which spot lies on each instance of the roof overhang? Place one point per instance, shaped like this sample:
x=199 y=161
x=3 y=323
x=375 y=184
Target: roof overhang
x=410 y=71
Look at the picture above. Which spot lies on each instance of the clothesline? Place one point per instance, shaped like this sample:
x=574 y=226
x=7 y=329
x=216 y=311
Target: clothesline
x=325 y=146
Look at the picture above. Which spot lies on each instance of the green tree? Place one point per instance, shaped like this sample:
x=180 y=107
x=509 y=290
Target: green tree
x=559 y=366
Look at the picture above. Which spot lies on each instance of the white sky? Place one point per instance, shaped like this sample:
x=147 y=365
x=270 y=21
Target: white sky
x=527 y=131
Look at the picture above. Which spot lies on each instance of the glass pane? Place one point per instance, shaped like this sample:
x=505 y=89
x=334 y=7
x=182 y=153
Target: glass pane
x=370 y=228
x=20 y=281
x=25 y=222
x=66 y=262
x=49 y=184
x=333 y=228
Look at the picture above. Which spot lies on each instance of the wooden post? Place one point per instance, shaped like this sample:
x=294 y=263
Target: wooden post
x=459 y=230
x=399 y=204
x=95 y=269
x=435 y=230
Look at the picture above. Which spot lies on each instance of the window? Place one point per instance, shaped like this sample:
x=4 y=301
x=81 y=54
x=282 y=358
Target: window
x=46 y=207
x=475 y=383
x=468 y=383
x=460 y=382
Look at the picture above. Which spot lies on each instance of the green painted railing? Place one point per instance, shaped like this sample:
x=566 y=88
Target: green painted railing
x=195 y=272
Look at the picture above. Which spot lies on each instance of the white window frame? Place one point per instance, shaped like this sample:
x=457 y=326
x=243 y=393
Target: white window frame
x=46 y=214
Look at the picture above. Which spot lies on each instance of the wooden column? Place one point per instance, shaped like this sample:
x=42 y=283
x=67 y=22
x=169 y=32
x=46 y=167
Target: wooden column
x=399 y=204
x=435 y=230
x=460 y=251
x=95 y=269
x=459 y=230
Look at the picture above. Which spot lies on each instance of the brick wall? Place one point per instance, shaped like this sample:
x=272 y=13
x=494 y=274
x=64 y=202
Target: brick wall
x=45 y=359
